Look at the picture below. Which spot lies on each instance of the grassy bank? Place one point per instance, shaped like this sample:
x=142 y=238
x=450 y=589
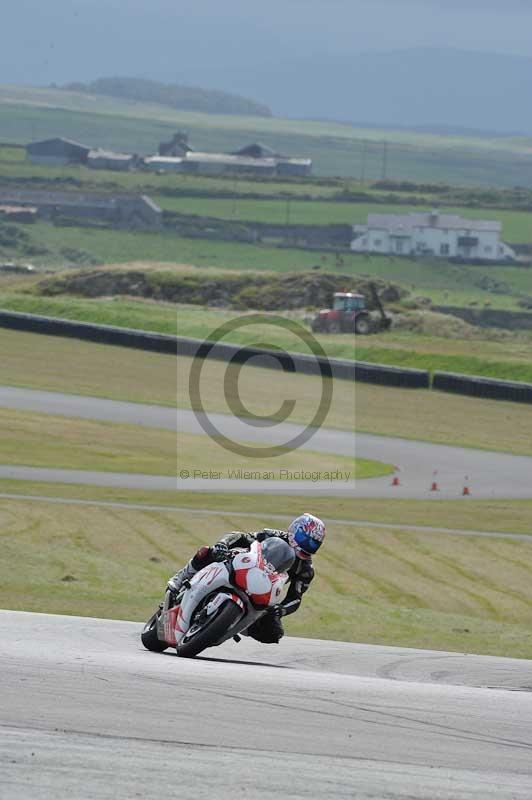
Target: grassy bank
x=505 y=356
x=372 y=585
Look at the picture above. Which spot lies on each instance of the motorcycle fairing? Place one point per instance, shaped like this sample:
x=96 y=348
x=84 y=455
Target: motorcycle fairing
x=205 y=582
x=258 y=578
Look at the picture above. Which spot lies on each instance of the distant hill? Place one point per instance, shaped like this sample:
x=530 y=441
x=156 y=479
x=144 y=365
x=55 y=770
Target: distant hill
x=438 y=88
x=186 y=98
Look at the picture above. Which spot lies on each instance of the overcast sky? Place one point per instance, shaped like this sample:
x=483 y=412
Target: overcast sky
x=190 y=40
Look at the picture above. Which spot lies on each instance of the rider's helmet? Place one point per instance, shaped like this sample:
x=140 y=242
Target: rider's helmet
x=305 y=534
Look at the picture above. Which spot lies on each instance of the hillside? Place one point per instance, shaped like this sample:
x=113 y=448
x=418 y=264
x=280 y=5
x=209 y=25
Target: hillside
x=28 y=113
x=187 y=98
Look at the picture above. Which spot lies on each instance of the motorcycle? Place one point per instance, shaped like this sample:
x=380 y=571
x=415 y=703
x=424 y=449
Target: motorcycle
x=222 y=600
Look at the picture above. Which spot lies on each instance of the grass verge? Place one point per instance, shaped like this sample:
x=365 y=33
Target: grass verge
x=45 y=440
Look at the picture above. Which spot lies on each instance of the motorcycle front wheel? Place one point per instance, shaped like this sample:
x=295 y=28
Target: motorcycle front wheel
x=213 y=630
x=149 y=637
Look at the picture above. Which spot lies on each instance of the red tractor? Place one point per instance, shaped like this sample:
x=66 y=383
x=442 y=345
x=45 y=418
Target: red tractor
x=350 y=314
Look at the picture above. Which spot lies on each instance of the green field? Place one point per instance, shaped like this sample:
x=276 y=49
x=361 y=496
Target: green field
x=517 y=225
x=29 y=114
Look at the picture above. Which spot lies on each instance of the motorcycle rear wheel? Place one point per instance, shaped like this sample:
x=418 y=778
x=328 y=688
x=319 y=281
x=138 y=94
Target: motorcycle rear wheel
x=149 y=637
x=212 y=631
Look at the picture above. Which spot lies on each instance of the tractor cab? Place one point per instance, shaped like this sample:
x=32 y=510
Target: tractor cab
x=349 y=314
x=348 y=302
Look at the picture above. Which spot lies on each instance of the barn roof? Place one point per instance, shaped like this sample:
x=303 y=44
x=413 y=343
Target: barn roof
x=57 y=140
x=256 y=150
x=431 y=220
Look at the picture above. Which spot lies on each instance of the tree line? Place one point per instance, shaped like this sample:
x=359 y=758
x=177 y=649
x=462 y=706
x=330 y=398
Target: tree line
x=187 y=98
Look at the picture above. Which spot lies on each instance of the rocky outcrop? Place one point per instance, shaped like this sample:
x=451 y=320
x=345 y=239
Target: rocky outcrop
x=243 y=290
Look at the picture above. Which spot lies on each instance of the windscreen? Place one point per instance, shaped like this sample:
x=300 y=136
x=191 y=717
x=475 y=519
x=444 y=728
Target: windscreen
x=278 y=553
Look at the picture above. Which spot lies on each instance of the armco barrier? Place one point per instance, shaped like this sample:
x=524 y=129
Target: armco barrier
x=487 y=388
x=391 y=376
x=179 y=345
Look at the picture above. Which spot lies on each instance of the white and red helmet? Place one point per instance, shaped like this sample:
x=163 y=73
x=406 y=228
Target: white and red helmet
x=306 y=534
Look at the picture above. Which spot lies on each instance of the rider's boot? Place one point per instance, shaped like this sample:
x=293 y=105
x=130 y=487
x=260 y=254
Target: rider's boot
x=180 y=577
x=197 y=562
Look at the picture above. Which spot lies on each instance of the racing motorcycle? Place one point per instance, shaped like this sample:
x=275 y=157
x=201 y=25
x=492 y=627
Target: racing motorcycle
x=222 y=600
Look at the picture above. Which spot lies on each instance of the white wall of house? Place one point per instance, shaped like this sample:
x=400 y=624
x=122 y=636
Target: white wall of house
x=431 y=240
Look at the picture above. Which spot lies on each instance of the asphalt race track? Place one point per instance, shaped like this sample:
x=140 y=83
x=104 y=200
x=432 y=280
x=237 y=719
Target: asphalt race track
x=86 y=712
x=489 y=475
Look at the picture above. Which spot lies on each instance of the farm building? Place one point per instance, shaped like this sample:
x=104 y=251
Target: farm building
x=211 y=164
x=164 y=163
x=122 y=210
x=175 y=155
x=256 y=150
x=105 y=159
x=432 y=234
x=57 y=152
x=294 y=166
x=218 y=164
x=285 y=164
x=25 y=214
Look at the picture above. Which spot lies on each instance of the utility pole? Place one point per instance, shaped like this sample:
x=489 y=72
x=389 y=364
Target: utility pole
x=363 y=166
x=384 y=159
x=235 y=194
x=288 y=211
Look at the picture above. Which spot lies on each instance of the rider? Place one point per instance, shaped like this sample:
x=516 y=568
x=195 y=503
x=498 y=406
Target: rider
x=305 y=534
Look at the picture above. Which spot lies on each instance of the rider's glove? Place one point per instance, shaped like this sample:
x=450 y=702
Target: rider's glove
x=219 y=551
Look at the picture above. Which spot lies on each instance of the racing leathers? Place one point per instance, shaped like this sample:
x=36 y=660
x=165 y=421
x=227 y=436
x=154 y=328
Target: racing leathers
x=268 y=628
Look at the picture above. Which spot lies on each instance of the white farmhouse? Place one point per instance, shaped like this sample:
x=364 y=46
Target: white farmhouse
x=432 y=234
